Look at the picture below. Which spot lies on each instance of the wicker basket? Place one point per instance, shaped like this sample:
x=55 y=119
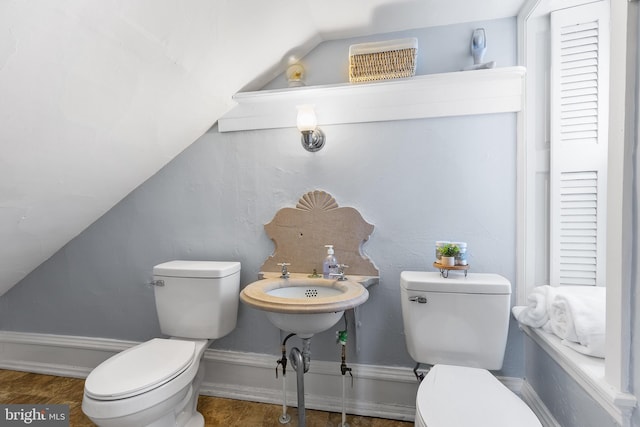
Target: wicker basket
x=391 y=59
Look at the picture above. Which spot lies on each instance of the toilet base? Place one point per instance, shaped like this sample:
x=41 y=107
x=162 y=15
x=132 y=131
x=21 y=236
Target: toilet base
x=197 y=420
x=188 y=417
x=179 y=411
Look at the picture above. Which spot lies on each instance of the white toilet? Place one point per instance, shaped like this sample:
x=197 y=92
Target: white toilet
x=459 y=325
x=156 y=383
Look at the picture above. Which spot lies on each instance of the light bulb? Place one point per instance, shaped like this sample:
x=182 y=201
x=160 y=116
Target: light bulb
x=306 y=118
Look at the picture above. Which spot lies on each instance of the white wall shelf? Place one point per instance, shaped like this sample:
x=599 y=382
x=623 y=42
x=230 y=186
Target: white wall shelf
x=498 y=90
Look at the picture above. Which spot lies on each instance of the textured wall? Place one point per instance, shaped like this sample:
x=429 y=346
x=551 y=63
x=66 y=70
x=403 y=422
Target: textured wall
x=212 y=201
x=417 y=181
x=120 y=86
x=440 y=50
x=570 y=405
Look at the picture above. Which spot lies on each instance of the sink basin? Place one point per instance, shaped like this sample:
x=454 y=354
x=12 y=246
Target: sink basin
x=304 y=306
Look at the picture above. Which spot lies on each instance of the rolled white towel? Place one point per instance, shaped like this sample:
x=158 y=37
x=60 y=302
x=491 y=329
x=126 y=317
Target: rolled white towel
x=578 y=315
x=536 y=312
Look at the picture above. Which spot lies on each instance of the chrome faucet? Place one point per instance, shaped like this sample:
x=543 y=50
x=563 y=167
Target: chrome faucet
x=285 y=272
x=340 y=273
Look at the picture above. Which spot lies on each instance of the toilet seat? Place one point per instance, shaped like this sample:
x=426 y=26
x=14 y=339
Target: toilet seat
x=140 y=369
x=457 y=396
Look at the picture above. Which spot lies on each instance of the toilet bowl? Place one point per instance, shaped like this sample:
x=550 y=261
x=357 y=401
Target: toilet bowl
x=459 y=326
x=156 y=383
x=457 y=396
x=146 y=383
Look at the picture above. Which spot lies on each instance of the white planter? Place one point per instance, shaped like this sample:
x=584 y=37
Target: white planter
x=447 y=261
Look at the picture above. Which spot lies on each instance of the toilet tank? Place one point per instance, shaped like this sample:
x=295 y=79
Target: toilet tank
x=197 y=299
x=456 y=321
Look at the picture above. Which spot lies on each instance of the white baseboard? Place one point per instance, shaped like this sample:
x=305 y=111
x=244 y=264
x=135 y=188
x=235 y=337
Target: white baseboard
x=532 y=399
x=62 y=355
x=378 y=391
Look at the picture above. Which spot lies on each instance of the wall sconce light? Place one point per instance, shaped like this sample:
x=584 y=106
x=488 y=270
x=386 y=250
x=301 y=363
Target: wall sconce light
x=312 y=136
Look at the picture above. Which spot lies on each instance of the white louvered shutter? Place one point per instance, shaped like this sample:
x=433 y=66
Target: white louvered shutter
x=579 y=131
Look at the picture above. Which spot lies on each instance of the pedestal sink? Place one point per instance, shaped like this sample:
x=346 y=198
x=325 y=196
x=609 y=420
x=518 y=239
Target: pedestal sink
x=303 y=305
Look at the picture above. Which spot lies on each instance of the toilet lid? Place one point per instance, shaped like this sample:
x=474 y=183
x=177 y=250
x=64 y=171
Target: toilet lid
x=140 y=369
x=456 y=396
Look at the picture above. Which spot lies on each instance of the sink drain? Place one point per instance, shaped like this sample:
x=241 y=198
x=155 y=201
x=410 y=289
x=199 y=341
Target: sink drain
x=310 y=293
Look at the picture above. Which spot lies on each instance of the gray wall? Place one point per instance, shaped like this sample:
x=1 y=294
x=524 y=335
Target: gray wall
x=635 y=291
x=417 y=181
x=570 y=405
x=635 y=280
x=440 y=50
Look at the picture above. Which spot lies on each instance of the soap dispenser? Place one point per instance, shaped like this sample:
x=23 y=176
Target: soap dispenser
x=330 y=263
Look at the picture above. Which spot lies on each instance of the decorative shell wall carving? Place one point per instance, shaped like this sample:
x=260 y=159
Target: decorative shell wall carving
x=317 y=200
x=300 y=233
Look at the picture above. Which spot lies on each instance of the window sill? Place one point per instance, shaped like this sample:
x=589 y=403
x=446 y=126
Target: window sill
x=588 y=372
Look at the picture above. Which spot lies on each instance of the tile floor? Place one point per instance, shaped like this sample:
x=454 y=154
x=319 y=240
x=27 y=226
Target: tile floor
x=22 y=387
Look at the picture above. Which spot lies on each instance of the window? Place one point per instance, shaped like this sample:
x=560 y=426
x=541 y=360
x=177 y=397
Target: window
x=536 y=265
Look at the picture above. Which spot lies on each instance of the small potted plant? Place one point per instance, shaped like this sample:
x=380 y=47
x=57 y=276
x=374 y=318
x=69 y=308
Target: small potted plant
x=448 y=253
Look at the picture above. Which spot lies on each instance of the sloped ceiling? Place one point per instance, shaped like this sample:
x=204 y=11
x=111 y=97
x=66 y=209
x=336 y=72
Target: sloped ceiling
x=95 y=97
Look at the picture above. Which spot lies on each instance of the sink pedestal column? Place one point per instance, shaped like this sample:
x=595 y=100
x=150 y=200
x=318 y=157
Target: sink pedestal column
x=300 y=362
